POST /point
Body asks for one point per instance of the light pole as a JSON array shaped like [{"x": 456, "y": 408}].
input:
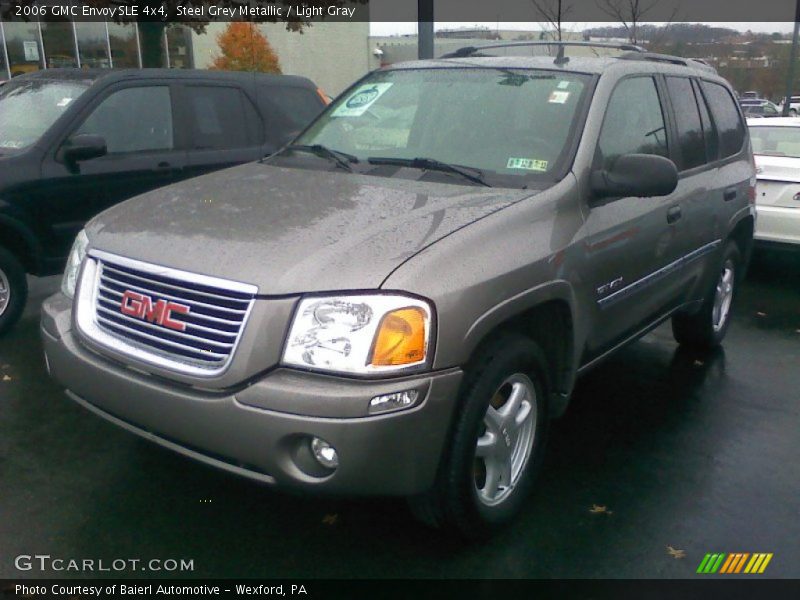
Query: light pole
[
  {"x": 425, "y": 28},
  {"x": 792, "y": 59}
]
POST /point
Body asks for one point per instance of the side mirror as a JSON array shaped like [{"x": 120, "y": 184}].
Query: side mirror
[
  {"x": 83, "y": 147},
  {"x": 638, "y": 175}
]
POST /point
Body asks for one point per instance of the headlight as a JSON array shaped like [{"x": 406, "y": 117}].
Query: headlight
[
  {"x": 74, "y": 262},
  {"x": 359, "y": 334}
]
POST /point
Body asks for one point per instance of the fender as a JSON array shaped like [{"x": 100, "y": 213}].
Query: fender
[
  {"x": 518, "y": 304},
  {"x": 32, "y": 246}
]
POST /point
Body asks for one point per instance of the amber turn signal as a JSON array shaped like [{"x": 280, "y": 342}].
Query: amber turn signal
[{"x": 401, "y": 338}]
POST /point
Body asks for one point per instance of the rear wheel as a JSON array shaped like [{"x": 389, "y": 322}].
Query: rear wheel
[
  {"x": 13, "y": 290},
  {"x": 497, "y": 444},
  {"x": 707, "y": 327}
]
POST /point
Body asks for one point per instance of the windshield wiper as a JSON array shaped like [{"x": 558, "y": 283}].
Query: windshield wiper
[
  {"x": 343, "y": 159},
  {"x": 431, "y": 164}
]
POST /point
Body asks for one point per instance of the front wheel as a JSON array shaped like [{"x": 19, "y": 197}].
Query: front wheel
[
  {"x": 497, "y": 444},
  {"x": 13, "y": 290},
  {"x": 706, "y": 328}
]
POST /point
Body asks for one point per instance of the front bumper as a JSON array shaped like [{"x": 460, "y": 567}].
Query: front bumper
[
  {"x": 262, "y": 430},
  {"x": 778, "y": 224}
]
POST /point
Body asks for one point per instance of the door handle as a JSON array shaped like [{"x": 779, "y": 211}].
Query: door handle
[
  {"x": 729, "y": 194},
  {"x": 674, "y": 214}
]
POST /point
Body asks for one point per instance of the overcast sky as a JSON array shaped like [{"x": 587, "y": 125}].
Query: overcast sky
[{"x": 410, "y": 28}]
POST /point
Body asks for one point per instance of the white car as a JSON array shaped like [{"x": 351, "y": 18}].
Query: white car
[{"x": 776, "y": 147}]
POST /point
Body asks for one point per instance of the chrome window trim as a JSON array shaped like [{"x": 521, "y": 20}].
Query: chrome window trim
[{"x": 86, "y": 313}]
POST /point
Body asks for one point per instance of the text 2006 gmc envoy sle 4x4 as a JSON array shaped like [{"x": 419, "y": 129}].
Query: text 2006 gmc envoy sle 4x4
[{"x": 399, "y": 302}]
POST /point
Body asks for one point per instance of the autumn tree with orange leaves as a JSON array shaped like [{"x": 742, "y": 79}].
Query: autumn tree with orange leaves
[{"x": 244, "y": 48}]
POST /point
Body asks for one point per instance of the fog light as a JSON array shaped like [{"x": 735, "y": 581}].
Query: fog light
[
  {"x": 396, "y": 401},
  {"x": 324, "y": 453}
]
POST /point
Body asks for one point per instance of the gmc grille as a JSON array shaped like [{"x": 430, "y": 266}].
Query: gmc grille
[{"x": 173, "y": 319}]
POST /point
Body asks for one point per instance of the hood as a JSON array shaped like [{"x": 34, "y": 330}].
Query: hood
[
  {"x": 777, "y": 168},
  {"x": 291, "y": 230}
]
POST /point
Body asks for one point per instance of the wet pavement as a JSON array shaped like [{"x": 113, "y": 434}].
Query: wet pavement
[{"x": 660, "y": 450}]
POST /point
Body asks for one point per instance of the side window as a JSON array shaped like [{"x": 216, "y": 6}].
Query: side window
[
  {"x": 726, "y": 117},
  {"x": 634, "y": 122},
  {"x": 709, "y": 131},
  {"x": 690, "y": 130},
  {"x": 219, "y": 120},
  {"x": 136, "y": 119}
]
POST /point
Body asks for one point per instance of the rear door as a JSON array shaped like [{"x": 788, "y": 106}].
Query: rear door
[
  {"x": 144, "y": 152},
  {"x": 697, "y": 194},
  {"x": 224, "y": 127},
  {"x": 732, "y": 168}
]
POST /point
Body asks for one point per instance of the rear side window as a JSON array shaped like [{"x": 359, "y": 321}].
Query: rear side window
[
  {"x": 726, "y": 117},
  {"x": 687, "y": 117},
  {"x": 709, "y": 131},
  {"x": 136, "y": 119},
  {"x": 634, "y": 122},
  {"x": 289, "y": 109},
  {"x": 219, "y": 117}
]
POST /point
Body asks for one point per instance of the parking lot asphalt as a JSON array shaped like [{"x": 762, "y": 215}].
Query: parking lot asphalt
[{"x": 663, "y": 456}]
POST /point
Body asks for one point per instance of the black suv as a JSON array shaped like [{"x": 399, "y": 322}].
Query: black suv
[{"x": 74, "y": 142}]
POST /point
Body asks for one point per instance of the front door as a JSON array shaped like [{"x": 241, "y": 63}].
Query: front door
[
  {"x": 136, "y": 121},
  {"x": 631, "y": 242}
]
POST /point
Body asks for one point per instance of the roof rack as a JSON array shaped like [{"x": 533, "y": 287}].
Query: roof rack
[
  {"x": 633, "y": 52},
  {"x": 474, "y": 50}
]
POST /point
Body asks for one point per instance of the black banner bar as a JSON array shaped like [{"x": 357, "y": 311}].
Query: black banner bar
[
  {"x": 445, "y": 11},
  {"x": 733, "y": 588}
]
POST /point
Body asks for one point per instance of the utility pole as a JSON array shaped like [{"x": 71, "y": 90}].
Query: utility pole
[
  {"x": 425, "y": 28},
  {"x": 792, "y": 60}
]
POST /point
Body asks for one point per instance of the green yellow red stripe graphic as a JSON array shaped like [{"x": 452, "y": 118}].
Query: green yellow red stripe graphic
[{"x": 736, "y": 562}]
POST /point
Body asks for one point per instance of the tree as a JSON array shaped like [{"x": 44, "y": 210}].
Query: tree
[
  {"x": 152, "y": 28},
  {"x": 553, "y": 12},
  {"x": 628, "y": 12},
  {"x": 244, "y": 48}
]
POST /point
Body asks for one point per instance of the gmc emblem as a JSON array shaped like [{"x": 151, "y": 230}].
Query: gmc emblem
[{"x": 142, "y": 307}]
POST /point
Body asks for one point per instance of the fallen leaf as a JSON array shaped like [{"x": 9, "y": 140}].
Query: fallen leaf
[
  {"x": 600, "y": 508},
  {"x": 761, "y": 314},
  {"x": 677, "y": 554},
  {"x": 6, "y": 378},
  {"x": 330, "y": 519},
  {"x": 698, "y": 363}
]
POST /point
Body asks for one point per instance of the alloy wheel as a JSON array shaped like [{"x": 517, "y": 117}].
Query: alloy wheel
[
  {"x": 723, "y": 297},
  {"x": 506, "y": 439}
]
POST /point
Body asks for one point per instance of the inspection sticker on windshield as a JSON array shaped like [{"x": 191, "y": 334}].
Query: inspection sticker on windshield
[
  {"x": 528, "y": 164},
  {"x": 562, "y": 85},
  {"x": 63, "y": 102},
  {"x": 558, "y": 97},
  {"x": 360, "y": 100}
]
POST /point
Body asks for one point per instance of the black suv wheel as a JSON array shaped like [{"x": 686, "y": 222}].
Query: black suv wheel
[
  {"x": 707, "y": 327},
  {"x": 497, "y": 444},
  {"x": 13, "y": 290}
]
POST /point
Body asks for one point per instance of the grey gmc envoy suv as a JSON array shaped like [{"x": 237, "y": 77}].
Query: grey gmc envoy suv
[{"x": 398, "y": 302}]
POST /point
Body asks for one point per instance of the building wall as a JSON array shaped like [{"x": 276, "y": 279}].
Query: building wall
[{"x": 333, "y": 55}]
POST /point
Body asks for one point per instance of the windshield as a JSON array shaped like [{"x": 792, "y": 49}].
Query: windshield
[
  {"x": 29, "y": 108},
  {"x": 776, "y": 141},
  {"x": 509, "y": 124}
]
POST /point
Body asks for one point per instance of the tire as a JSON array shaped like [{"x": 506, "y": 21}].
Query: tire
[
  {"x": 792, "y": 112},
  {"x": 13, "y": 290},
  {"x": 706, "y": 328},
  {"x": 463, "y": 500}
]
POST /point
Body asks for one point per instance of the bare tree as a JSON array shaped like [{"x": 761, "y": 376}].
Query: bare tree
[
  {"x": 553, "y": 12},
  {"x": 628, "y": 12}
]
